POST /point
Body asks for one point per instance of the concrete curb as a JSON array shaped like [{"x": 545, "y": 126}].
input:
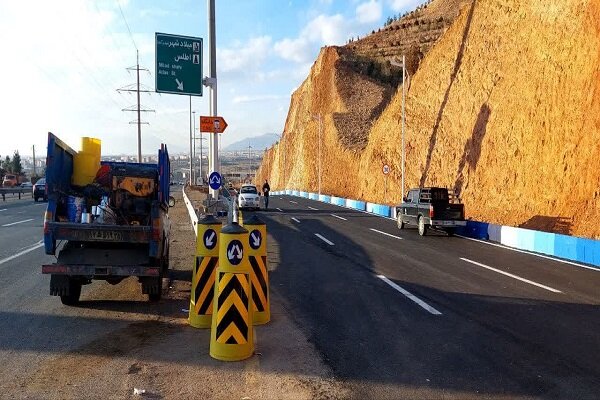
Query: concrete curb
[{"x": 193, "y": 216}]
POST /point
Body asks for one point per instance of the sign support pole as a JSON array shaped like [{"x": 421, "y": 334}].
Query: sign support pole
[{"x": 213, "y": 157}]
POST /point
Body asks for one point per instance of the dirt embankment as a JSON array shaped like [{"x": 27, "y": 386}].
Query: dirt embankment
[{"x": 504, "y": 108}]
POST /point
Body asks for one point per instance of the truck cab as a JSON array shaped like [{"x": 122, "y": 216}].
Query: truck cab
[{"x": 431, "y": 207}]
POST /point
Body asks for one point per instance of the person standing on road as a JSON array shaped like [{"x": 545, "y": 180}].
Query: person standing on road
[{"x": 266, "y": 188}]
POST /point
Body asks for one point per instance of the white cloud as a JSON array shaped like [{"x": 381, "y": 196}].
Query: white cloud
[
  {"x": 327, "y": 30},
  {"x": 244, "y": 57},
  {"x": 256, "y": 98},
  {"x": 404, "y": 5},
  {"x": 368, "y": 12},
  {"x": 297, "y": 50}
]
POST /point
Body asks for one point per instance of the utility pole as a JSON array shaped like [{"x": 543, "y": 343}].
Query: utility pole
[
  {"x": 34, "y": 173},
  {"x": 138, "y": 108},
  {"x": 194, "y": 146},
  {"x": 213, "y": 159},
  {"x": 249, "y": 161}
]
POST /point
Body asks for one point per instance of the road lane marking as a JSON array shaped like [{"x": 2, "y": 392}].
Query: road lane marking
[
  {"x": 324, "y": 239},
  {"x": 293, "y": 202},
  {"x": 4, "y": 209},
  {"x": 281, "y": 198},
  {"x": 35, "y": 246},
  {"x": 295, "y": 219},
  {"x": 312, "y": 208},
  {"x": 411, "y": 296},
  {"x": 18, "y": 222},
  {"x": 386, "y": 234},
  {"x": 511, "y": 275},
  {"x": 530, "y": 253},
  {"x": 337, "y": 216},
  {"x": 279, "y": 209}
]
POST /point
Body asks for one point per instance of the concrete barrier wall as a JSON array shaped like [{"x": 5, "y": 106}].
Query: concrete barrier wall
[
  {"x": 304, "y": 194},
  {"x": 552, "y": 244},
  {"x": 313, "y": 196}
]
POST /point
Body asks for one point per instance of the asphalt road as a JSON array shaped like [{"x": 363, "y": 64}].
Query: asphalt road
[{"x": 397, "y": 315}]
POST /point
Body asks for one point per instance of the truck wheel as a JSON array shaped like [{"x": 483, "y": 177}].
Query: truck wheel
[
  {"x": 422, "y": 226},
  {"x": 154, "y": 297},
  {"x": 450, "y": 231},
  {"x": 72, "y": 298},
  {"x": 400, "y": 222}
]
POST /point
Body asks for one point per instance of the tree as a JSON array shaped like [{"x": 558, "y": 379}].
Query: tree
[
  {"x": 7, "y": 164},
  {"x": 16, "y": 163}
]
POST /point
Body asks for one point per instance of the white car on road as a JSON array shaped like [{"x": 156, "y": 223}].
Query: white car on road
[{"x": 248, "y": 197}]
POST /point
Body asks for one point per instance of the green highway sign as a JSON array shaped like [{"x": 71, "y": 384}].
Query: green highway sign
[{"x": 178, "y": 64}]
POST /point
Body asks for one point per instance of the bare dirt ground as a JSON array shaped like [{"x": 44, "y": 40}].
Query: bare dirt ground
[{"x": 152, "y": 348}]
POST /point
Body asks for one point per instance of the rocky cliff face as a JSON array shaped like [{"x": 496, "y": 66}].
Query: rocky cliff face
[{"x": 504, "y": 108}]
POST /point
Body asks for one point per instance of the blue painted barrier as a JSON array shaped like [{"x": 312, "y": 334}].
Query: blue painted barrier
[
  {"x": 338, "y": 201},
  {"x": 379, "y": 209},
  {"x": 313, "y": 196},
  {"x": 356, "y": 204},
  {"x": 324, "y": 198},
  {"x": 304, "y": 194},
  {"x": 296, "y": 193}
]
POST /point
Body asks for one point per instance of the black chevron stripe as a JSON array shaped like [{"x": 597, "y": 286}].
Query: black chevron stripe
[
  {"x": 232, "y": 316},
  {"x": 198, "y": 263},
  {"x": 204, "y": 278},
  {"x": 259, "y": 275},
  {"x": 233, "y": 285}
]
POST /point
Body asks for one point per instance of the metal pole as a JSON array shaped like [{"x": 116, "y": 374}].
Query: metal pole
[
  {"x": 320, "y": 133},
  {"x": 34, "y": 173},
  {"x": 191, "y": 152},
  {"x": 194, "y": 145},
  {"x": 138, "y": 108},
  {"x": 403, "y": 150},
  {"x": 213, "y": 158},
  {"x": 201, "y": 175}
]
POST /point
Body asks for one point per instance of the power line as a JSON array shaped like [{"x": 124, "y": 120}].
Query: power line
[{"x": 126, "y": 24}]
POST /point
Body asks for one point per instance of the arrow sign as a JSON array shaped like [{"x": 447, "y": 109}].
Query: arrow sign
[
  {"x": 212, "y": 124},
  {"x": 235, "y": 252},
  {"x": 255, "y": 239},
  {"x": 179, "y": 84},
  {"x": 210, "y": 237},
  {"x": 214, "y": 180}
]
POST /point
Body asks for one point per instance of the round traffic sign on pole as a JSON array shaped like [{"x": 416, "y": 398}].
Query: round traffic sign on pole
[
  {"x": 386, "y": 169},
  {"x": 214, "y": 180}
]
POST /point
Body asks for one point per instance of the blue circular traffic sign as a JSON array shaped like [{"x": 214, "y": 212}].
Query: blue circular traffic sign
[
  {"x": 255, "y": 239},
  {"x": 210, "y": 239},
  {"x": 235, "y": 252},
  {"x": 214, "y": 180}
]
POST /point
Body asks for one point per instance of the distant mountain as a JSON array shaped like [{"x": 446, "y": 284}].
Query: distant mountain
[{"x": 257, "y": 142}]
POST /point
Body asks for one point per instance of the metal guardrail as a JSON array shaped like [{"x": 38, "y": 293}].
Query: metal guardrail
[{"x": 14, "y": 190}]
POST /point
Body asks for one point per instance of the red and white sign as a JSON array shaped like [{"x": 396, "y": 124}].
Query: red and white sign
[{"x": 386, "y": 169}]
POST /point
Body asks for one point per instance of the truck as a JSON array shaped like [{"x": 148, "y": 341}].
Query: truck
[
  {"x": 113, "y": 228},
  {"x": 431, "y": 207}
]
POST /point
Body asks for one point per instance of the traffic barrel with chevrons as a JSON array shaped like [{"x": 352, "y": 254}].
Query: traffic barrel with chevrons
[
  {"x": 259, "y": 275},
  {"x": 232, "y": 336},
  {"x": 203, "y": 273}
]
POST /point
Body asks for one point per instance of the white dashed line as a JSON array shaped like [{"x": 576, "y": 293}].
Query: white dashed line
[
  {"x": 337, "y": 216},
  {"x": 18, "y": 222},
  {"x": 410, "y": 296},
  {"x": 312, "y": 208},
  {"x": 35, "y": 246},
  {"x": 296, "y": 220},
  {"x": 386, "y": 234},
  {"x": 4, "y": 209},
  {"x": 293, "y": 202},
  {"x": 511, "y": 275},
  {"x": 279, "y": 209},
  {"x": 324, "y": 239}
]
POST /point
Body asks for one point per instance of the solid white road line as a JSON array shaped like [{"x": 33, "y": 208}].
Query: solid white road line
[
  {"x": 35, "y": 246},
  {"x": 312, "y": 208},
  {"x": 293, "y": 202},
  {"x": 337, "y": 216},
  {"x": 411, "y": 296},
  {"x": 386, "y": 234},
  {"x": 295, "y": 219},
  {"x": 530, "y": 253},
  {"x": 18, "y": 222},
  {"x": 511, "y": 275},
  {"x": 324, "y": 239},
  {"x": 279, "y": 209},
  {"x": 4, "y": 209}
]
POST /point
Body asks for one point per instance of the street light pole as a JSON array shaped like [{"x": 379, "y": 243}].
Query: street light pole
[
  {"x": 403, "y": 116},
  {"x": 191, "y": 138},
  {"x": 194, "y": 146}
]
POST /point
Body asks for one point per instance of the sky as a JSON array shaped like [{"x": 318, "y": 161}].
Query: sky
[{"x": 63, "y": 61}]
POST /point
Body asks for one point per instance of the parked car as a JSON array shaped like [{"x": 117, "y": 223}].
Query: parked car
[
  {"x": 248, "y": 197},
  {"x": 39, "y": 190},
  {"x": 431, "y": 207}
]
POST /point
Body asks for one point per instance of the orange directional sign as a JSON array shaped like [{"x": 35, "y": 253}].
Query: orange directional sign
[{"x": 212, "y": 124}]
